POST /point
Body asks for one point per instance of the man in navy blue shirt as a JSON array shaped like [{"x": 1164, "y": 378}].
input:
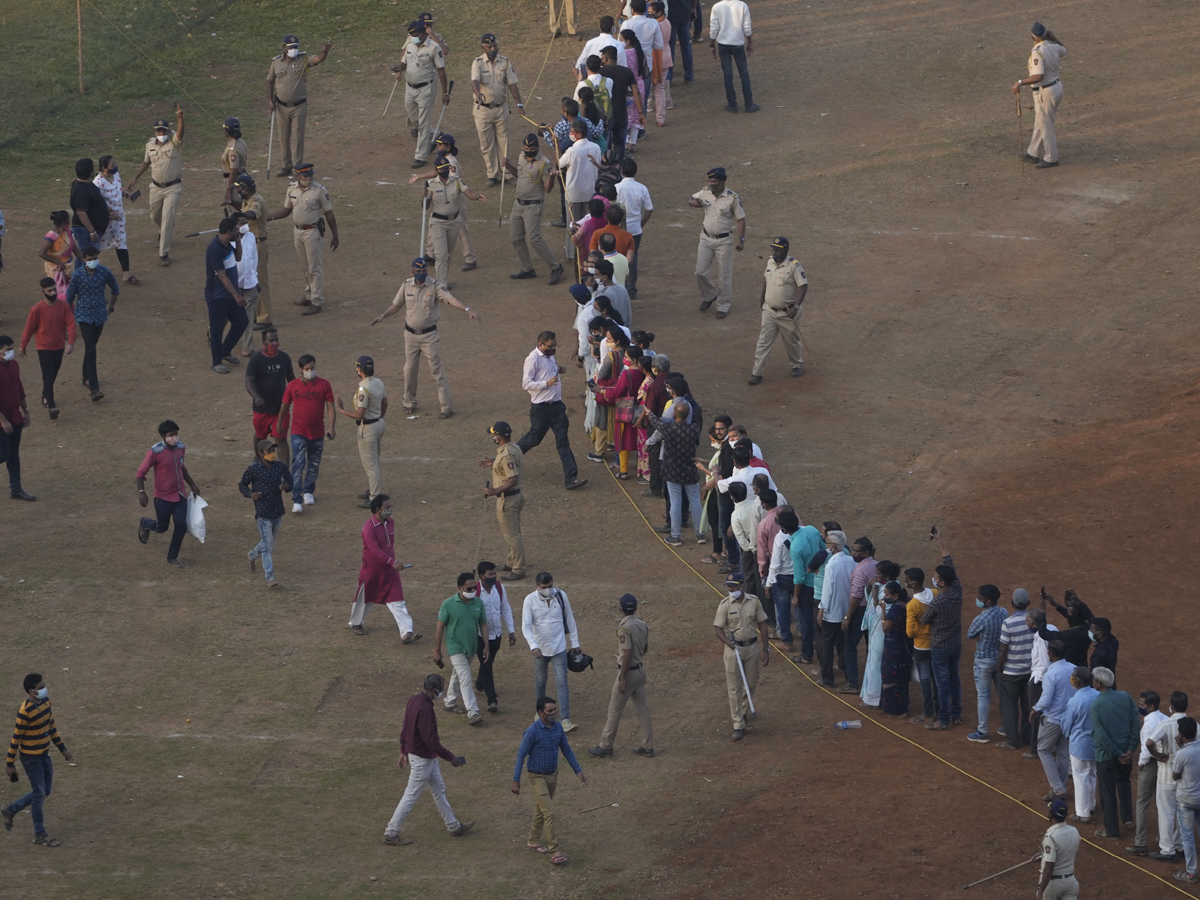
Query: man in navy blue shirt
[
  {"x": 225, "y": 302},
  {"x": 541, "y": 744},
  {"x": 264, "y": 482}
]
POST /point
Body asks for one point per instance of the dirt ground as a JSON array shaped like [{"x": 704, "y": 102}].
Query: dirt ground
[{"x": 1003, "y": 351}]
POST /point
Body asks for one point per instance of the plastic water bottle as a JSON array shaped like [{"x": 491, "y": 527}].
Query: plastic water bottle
[{"x": 848, "y": 724}]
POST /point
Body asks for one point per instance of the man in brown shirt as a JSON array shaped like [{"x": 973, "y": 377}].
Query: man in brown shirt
[
  {"x": 741, "y": 625},
  {"x": 166, "y": 180},
  {"x": 287, "y": 94},
  {"x": 254, "y": 208},
  {"x": 535, "y": 177},
  {"x": 507, "y": 468},
  {"x": 445, "y": 195},
  {"x": 492, "y": 77},
  {"x": 633, "y": 640},
  {"x": 306, "y": 202}
]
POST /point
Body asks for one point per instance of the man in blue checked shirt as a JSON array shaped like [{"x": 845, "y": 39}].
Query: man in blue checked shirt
[
  {"x": 985, "y": 631},
  {"x": 541, "y": 745}
]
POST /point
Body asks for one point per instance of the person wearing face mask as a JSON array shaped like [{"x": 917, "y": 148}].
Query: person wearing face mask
[
  {"x": 1148, "y": 704},
  {"x": 222, "y": 297},
  {"x": 165, "y": 163},
  {"x": 307, "y": 202},
  {"x": 492, "y": 79},
  {"x": 379, "y": 577},
  {"x": 108, "y": 180},
  {"x": 233, "y": 156},
  {"x": 784, "y": 287},
  {"x": 420, "y": 748},
  {"x": 579, "y": 163},
  {"x": 91, "y": 217},
  {"x": 500, "y": 620},
  {"x": 723, "y": 214},
  {"x": 14, "y": 417},
  {"x": 52, "y": 325},
  {"x": 268, "y": 374},
  {"x": 741, "y": 626},
  {"x": 166, "y": 458},
  {"x": 60, "y": 251},
  {"x": 306, "y": 402},
  {"x": 633, "y": 642},
  {"x": 247, "y": 278},
  {"x": 445, "y": 195},
  {"x": 462, "y": 620},
  {"x": 945, "y": 616},
  {"x": 985, "y": 631},
  {"x": 540, "y": 377},
  {"x": 32, "y": 735},
  {"x": 1116, "y": 728},
  {"x": 86, "y": 297},
  {"x": 540, "y": 746},
  {"x": 1077, "y": 726},
  {"x": 370, "y": 406},
  {"x": 548, "y": 625},
  {"x": 287, "y": 96},
  {"x": 422, "y": 65},
  {"x": 1163, "y": 746},
  {"x": 253, "y": 207},
  {"x": 264, "y": 482},
  {"x": 419, "y": 297},
  {"x": 1104, "y": 646},
  {"x": 445, "y": 147},
  {"x": 534, "y": 175},
  {"x": 507, "y": 469},
  {"x": 621, "y": 397}
]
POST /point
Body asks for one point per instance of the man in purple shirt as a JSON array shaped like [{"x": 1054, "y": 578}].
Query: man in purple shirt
[
  {"x": 420, "y": 748},
  {"x": 170, "y": 499},
  {"x": 862, "y": 551},
  {"x": 542, "y": 378},
  {"x": 14, "y": 417}
]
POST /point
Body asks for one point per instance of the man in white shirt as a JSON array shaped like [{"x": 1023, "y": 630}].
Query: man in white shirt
[
  {"x": 781, "y": 579},
  {"x": 730, "y": 33},
  {"x": 547, "y": 624},
  {"x": 595, "y": 45},
  {"x": 747, "y": 513},
  {"x": 247, "y": 273},
  {"x": 835, "y": 601},
  {"x": 634, "y": 196},
  {"x": 1035, "y": 619},
  {"x": 744, "y": 472},
  {"x": 540, "y": 376},
  {"x": 1162, "y": 747},
  {"x": 580, "y": 164},
  {"x": 500, "y": 621},
  {"x": 648, "y": 33},
  {"x": 1147, "y": 767}
]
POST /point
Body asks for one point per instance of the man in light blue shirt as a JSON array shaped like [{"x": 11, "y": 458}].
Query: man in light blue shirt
[
  {"x": 835, "y": 601},
  {"x": 1053, "y": 744},
  {"x": 1077, "y": 725}
]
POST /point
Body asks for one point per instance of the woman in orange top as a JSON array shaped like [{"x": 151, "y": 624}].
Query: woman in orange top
[{"x": 60, "y": 251}]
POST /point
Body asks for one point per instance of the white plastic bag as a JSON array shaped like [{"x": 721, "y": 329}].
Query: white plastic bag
[{"x": 195, "y": 516}]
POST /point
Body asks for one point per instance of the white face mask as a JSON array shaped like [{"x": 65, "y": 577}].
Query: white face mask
[
  {"x": 468, "y": 595},
  {"x": 171, "y": 440},
  {"x": 244, "y": 229},
  {"x": 734, "y": 593},
  {"x": 437, "y": 694},
  {"x": 293, "y": 52},
  {"x": 545, "y": 593},
  {"x": 9, "y": 354},
  {"x": 162, "y": 138},
  {"x": 308, "y": 374}
]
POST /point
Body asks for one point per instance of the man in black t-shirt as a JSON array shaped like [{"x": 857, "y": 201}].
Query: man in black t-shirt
[
  {"x": 89, "y": 219},
  {"x": 225, "y": 302},
  {"x": 267, "y": 377},
  {"x": 624, "y": 84}
]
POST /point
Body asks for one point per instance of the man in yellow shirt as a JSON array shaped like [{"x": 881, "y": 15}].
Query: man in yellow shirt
[
  {"x": 919, "y": 634},
  {"x": 31, "y": 741}
]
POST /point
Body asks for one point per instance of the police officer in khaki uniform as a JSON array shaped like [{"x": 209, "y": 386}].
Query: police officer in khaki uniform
[
  {"x": 254, "y": 207},
  {"x": 562, "y": 12},
  {"x": 165, "y": 163},
  {"x": 741, "y": 625},
  {"x": 1059, "y": 845},
  {"x": 633, "y": 640},
  {"x": 446, "y": 147},
  {"x": 233, "y": 157},
  {"x": 418, "y": 297},
  {"x": 723, "y": 214},
  {"x": 370, "y": 406},
  {"x": 445, "y": 195},
  {"x": 492, "y": 79},
  {"x": 287, "y": 94},
  {"x": 535, "y": 177},
  {"x": 423, "y": 63},
  {"x": 307, "y": 202},
  {"x": 1045, "y": 64},
  {"x": 506, "y": 488},
  {"x": 784, "y": 287}
]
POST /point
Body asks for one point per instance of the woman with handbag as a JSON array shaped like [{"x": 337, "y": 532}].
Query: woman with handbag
[
  {"x": 60, "y": 251},
  {"x": 622, "y": 397},
  {"x": 612, "y": 364}
]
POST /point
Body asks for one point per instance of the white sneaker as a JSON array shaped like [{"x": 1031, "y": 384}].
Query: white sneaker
[
  {"x": 297, "y": 508},
  {"x": 568, "y": 725},
  {"x": 309, "y": 499}
]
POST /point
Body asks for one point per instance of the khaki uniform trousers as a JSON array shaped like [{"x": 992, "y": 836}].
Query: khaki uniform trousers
[
  {"x": 739, "y": 704},
  {"x": 369, "y": 439},
  {"x": 309, "y": 247},
  {"x": 508, "y": 512},
  {"x": 1043, "y": 143},
  {"x": 444, "y": 235},
  {"x": 164, "y": 207},
  {"x": 264, "y": 286},
  {"x": 251, "y": 296},
  {"x": 429, "y": 346},
  {"x": 419, "y": 104},
  {"x": 1061, "y": 889},
  {"x": 542, "y": 830},
  {"x": 492, "y": 127},
  {"x": 291, "y": 132},
  {"x": 776, "y": 324},
  {"x": 717, "y": 252},
  {"x": 464, "y": 235},
  {"x": 635, "y": 690},
  {"x": 526, "y": 221},
  {"x": 565, "y": 19}
]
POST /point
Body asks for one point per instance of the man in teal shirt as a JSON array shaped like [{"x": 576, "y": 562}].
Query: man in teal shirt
[
  {"x": 1115, "y": 730},
  {"x": 459, "y": 622},
  {"x": 806, "y": 543}
]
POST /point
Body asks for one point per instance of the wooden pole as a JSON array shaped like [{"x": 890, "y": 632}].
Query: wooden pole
[{"x": 79, "y": 23}]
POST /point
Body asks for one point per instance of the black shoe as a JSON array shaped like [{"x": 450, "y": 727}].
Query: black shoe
[
  {"x": 753, "y": 107},
  {"x": 524, "y": 273},
  {"x": 559, "y": 223},
  {"x": 8, "y": 817},
  {"x": 738, "y": 734},
  {"x": 556, "y": 274},
  {"x": 1046, "y": 165},
  {"x": 22, "y": 494},
  {"x": 706, "y": 304},
  {"x": 663, "y": 529},
  {"x": 492, "y": 182},
  {"x": 648, "y": 752},
  {"x": 165, "y": 259},
  {"x": 600, "y": 751},
  {"x": 365, "y": 495},
  {"x": 143, "y": 533},
  {"x": 286, "y": 172},
  {"x": 577, "y": 483},
  {"x": 755, "y": 379},
  {"x": 1026, "y": 157},
  {"x": 467, "y": 267},
  {"x": 417, "y": 163},
  {"x": 513, "y": 576},
  {"x": 732, "y": 107}
]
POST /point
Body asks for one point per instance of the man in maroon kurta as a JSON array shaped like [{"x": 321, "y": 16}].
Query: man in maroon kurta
[{"x": 378, "y": 579}]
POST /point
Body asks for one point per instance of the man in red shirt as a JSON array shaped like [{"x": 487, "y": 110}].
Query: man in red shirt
[
  {"x": 170, "y": 499},
  {"x": 420, "y": 748},
  {"x": 14, "y": 417},
  {"x": 306, "y": 400},
  {"x": 53, "y": 323}
]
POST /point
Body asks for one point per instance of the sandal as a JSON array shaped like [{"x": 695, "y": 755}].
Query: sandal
[
  {"x": 936, "y": 726},
  {"x": 536, "y": 848},
  {"x": 917, "y": 720},
  {"x": 130, "y": 278},
  {"x": 711, "y": 559},
  {"x": 413, "y": 637},
  {"x": 45, "y": 840},
  {"x": 558, "y": 859}
]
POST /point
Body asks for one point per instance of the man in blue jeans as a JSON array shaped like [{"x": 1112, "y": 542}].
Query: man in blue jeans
[
  {"x": 944, "y": 615},
  {"x": 225, "y": 302},
  {"x": 547, "y": 624},
  {"x": 170, "y": 499},
  {"x": 985, "y": 631},
  {"x": 307, "y": 400},
  {"x": 730, "y": 32},
  {"x": 680, "y": 17},
  {"x": 781, "y": 574},
  {"x": 31, "y": 739}
]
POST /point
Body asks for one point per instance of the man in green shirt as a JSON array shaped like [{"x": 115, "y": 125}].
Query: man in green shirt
[
  {"x": 460, "y": 621},
  {"x": 1115, "y": 729}
]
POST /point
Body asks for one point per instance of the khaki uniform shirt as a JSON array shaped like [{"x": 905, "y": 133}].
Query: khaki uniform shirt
[
  {"x": 721, "y": 213},
  {"x": 423, "y": 62},
  {"x": 783, "y": 282},
  {"x": 633, "y": 635},
  {"x": 443, "y": 198},
  {"x": 1046, "y": 60},
  {"x": 308, "y": 203},
  {"x": 494, "y": 77},
  {"x": 258, "y": 225},
  {"x": 369, "y": 397},
  {"x": 233, "y": 157},
  {"x": 510, "y": 461},
  {"x": 420, "y": 302},
  {"x": 740, "y": 616},
  {"x": 531, "y": 177},
  {"x": 291, "y": 78},
  {"x": 1059, "y": 846},
  {"x": 166, "y": 163}
]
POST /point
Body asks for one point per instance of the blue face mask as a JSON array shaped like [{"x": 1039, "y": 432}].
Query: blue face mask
[
  {"x": 980, "y": 603},
  {"x": 92, "y": 263},
  {"x": 43, "y": 693},
  {"x": 420, "y": 277}
]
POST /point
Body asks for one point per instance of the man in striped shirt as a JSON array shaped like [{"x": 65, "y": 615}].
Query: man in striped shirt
[
  {"x": 1015, "y": 662},
  {"x": 31, "y": 740}
]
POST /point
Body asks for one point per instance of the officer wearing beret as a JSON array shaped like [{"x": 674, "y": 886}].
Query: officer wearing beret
[
  {"x": 633, "y": 640},
  {"x": 254, "y": 207},
  {"x": 445, "y": 146},
  {"x": 423, "y": 63},
  {"x": 165, "y": 163},
  {"x": 723, "y": 214},
  {"x": 1045, "y": 62},
  {"x": 418, "y": 297},
  {"x": 287, "y": 94},
  {"x": 445, "y": 195},
  {"x": 233, "y": 157},
  {"x": 535, "y": 177},
  {"x": 492, "y": 79},
  {"x": 741, "y": 625},
  {"x": 784, "y": 287},
  {"x": 307, "y": 202},
  {"x": 506, "y": 488}
]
